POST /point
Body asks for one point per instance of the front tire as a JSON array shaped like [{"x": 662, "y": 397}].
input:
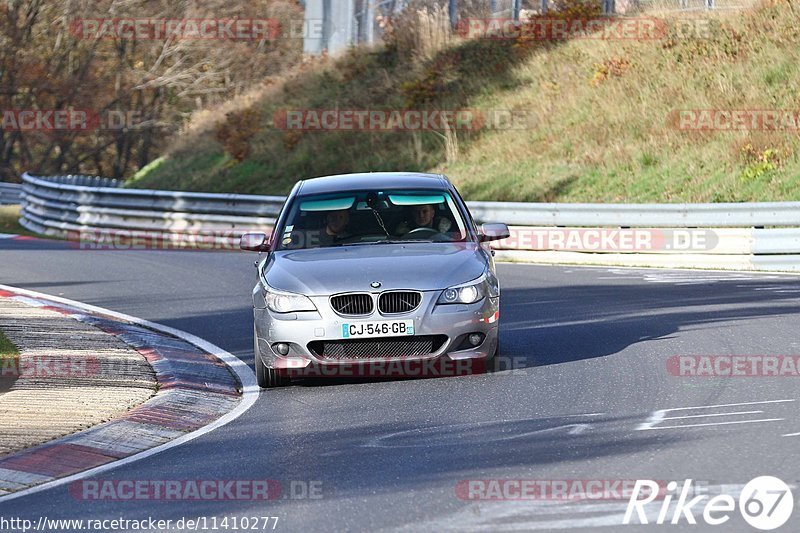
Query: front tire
[
  {"x": 267, "y": 378},
  {"x": 492, "y": 362}
]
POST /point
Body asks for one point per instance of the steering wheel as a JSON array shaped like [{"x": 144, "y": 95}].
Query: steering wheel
[
  {"x": 428, "y": 233},
  {"x": 422, "y": 232}
]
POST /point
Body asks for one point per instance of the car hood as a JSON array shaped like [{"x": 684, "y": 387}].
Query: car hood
[{"x": 421, "y": 266}]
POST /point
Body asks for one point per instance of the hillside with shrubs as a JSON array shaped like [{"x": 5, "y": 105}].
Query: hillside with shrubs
[{"x": 599, "y": 118}]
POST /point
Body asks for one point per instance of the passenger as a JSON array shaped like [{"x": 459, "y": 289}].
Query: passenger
[{"x": 424, "y": 216}]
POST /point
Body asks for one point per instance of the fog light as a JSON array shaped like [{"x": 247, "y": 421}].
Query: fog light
[
  {"x": 475, "y": 339},
  {"x": 281, "y": 348}
]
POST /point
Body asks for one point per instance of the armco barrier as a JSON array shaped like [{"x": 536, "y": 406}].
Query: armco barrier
[
  {"x": 728, "y": 215},
  {"x": 741, "y": 236},
  {"x": 10, "y": 193},
  {"x": 76, "y": 206}
]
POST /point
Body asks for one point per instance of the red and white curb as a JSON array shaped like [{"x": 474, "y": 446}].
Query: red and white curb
[{"x": 197, "y": 394}]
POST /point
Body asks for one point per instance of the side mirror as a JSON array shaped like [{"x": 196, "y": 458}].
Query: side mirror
[
  {"x": 254, "y": 242},
  {"x": 494, "y": 231}
]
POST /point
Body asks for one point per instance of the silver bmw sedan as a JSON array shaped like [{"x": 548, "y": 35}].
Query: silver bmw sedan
[{"x": 377, "y": 275}]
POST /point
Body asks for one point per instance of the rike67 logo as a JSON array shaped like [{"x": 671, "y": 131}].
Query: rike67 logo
[{"x": 765, "y": 503}]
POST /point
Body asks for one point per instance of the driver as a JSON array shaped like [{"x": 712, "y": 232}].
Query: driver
[
  {"x": 335, "y": 227},
  {"x": 424, "y": 216}
]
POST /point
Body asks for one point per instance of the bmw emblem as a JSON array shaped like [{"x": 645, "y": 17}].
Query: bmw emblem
[{"x": 375, "y": 284}]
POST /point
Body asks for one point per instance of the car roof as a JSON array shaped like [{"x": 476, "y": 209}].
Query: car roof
[{"x": 370, "y": 180}]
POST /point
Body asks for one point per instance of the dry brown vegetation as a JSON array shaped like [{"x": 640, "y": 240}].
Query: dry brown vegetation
[{"x": 157, "y": 84}]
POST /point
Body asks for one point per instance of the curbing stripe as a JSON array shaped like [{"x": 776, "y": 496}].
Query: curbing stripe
[
  {"x": 183, "y": 405},
  {"x": 55, "y": 460},
  {"x": 113, "y": 441}
]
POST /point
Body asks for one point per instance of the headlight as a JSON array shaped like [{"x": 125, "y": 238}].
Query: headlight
[
  {"x": 471, "y": 292},
  {"x": 287, "y": 302}
]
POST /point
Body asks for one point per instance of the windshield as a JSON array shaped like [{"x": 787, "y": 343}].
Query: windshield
[{"x": 371, "y": 217}]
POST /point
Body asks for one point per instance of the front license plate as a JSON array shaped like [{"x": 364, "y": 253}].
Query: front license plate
[{"x": 389, "y": 328}]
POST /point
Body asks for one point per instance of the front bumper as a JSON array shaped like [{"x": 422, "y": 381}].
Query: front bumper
[{"x": 452, "y": 322}]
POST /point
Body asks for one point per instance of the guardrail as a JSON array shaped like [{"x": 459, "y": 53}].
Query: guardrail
[
  {"x": 93, "y": 210},
  {"x": 754, "y": 236},
  {"x": 10, "y": 193},
  {"x": 728, "y": 215}
]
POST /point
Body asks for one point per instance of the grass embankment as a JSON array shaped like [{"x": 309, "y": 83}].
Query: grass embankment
[
  {"x": 9, "y": 221},
  {"x": 9, "y": 362},
  {"x": 7, "y": 348},
  {"x": 605, "y": 128}
]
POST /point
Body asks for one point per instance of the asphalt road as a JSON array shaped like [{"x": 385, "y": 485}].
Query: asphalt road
[{"x": 590, "y": 348}]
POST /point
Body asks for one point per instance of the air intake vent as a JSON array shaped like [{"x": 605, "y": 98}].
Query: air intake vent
[
  {"x": 356, "y": 304},
  {"x": 370, "y": 349},
  {"x": 397, "y": 302}
]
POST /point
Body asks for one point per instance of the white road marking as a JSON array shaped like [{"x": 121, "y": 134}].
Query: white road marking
[
  {"x": 246, "y": 376},
  {"x": 656, "y": 417},
  {"x": 729, "y": 405},
  {"x": 712, "y": 414},
  {"x": 783, "y": 291},
  {"x": 792, "y": 435},
  {"x": 718, "y": 423}
]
